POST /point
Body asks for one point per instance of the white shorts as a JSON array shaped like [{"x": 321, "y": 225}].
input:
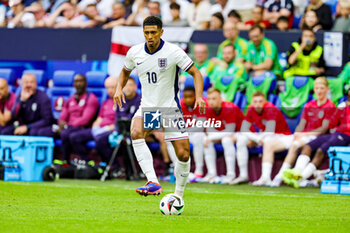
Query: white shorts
[
  {"x": 287, "y": 140},
  {"x": 171, "y": 115}
]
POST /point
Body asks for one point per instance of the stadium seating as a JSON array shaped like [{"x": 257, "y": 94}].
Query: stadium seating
[
  {"x": 266, "y": 83},
  {"x": 95, "y": 80},
  {"x": 39, "y": 75},
  {"x": 240, "y": 100},
  {"x": 62, "y": 88},
  {"x": 9, "y": 75}
]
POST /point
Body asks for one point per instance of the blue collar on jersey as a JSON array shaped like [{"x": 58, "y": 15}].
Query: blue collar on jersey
[{"x": 159, "y": 47}]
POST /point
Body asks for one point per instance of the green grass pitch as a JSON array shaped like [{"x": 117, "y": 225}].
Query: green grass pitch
[{"x": 114, "y": 206}]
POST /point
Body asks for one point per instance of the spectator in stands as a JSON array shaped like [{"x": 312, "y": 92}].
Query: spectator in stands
[
  {"x": 116, "y": 19},
  {"x": 2, "y": 15},
  {"x": 234, "y": 17},
  {"x": 201, "y": 61},
  {"x": 262, "y": 53},
  {"x": 197, "y": 14},
  {"x": 264, "y": 122},
  {"x": 107, "y": 116},
  {"x": 216, "y": 22},
  {"x": 315, "y": 120},
  {"x": 282, "y": 23},
  {"x": 276, "y": 8},
  {"x": 32, "y": 110},
  {"x": 222, "y": 6},
  {"x": 76, "y": 117},
  {"x": 305, "y": 57},
  {"x": 231, "y": 34},
  {"x": 70, "y": 17},
  {"x": 17, "y": 16},
  {"x": 342, "y": 23},
  {"x": 341, "y": 137},
  {"x": 243, "y": 8},
  {"x": 167, "y": 10},
  {"x": 257, "y": 19},
  {"x": 196, "y": 135},
  {"x": 33, "y": 16},
  {"x": 229, "y": 66},
  {"x": 310, "y": 21},
  {"x": 176, "y": 21},
  {"x": 7, "y": 101},
  {"x": 231, "y": 118},
  {"x": 141, "y": 10},
  {"x": 104, "y": 7},
  {"x": 323, "y": 11}
]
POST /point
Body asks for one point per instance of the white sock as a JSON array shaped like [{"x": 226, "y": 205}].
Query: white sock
[
  {"x": 182, "y": 170},
  {"x": 171, "y": 152},
  {"x": 308, "y": 171},
  {"x": 284, "y": 167},
  {"x": 198, "y": 152},
  {"x": 301, "y": 163},
  {"x": 266, "y": 170},
  {"x": 242, "y": 155},
  {"x": 230, "y": 156},
  {"x": 145, "y": 159},
  {"x": 210, "y": 159}
]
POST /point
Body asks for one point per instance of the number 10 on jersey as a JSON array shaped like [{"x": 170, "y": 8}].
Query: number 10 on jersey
[{"x": 152, "y": 77}]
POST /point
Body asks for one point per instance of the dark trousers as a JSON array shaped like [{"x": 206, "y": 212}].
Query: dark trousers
[
  {"x": 74, "y": 139},
  {"x": 44, "y": 131}
]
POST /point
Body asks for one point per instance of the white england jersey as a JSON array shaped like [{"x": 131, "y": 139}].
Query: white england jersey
[{"x": 158, "y": 73}]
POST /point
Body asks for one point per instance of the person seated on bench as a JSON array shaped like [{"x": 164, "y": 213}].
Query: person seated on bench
[
  {"x": 263, "y": 123},
  {"x": 7, "y": 101},
  {"x": 32, "y": 110},
  {"x": 315, "y": 120}
]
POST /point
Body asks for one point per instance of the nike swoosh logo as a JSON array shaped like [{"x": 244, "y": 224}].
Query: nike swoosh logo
[{"x": 139, "y": 63}]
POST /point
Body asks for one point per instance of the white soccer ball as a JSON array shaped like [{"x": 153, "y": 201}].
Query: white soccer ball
[{"x": 171, "y": 204}]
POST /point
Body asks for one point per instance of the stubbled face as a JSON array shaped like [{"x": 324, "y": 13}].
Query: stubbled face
[
  {"x": 4, "y": 89},
  {"x": 152, "y": 35},
  {"x": 321, "y": 91},
  {"x": 189, "y": 98},
  {"x": 118, "y": 11},
  {"x": 230, "y": 31},
  {"x": 200, "y": 53},
  {"x": 29, "y": 83},
  {"x": 228, "y": 54},
  {"x": 214, "y": 100},
  {"x": 256, "y": 37},
  {"x": 130, "y": 88},
  {"x": 80, "y": 84},
  {"x": 258, "y": 103}
]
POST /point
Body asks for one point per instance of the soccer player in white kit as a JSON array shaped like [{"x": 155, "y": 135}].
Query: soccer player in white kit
[{"x": 158, "y": 63}]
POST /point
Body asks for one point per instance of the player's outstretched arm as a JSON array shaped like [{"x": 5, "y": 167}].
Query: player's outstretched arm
[
  {"x": 198, "y": 84},
  {"x": 119, "y": 95}
]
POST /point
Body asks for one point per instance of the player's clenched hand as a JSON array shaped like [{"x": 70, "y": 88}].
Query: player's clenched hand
[
  {"x": 201, "y": 104},
  {"x": 118, "y": 98}
]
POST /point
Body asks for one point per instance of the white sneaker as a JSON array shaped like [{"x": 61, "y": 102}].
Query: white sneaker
[
  {"x": 207, "y": 179},
  {"x": 226, "y": 179},
  {"x": 276, "y": 182},
  {"x": 308, "y": 183},
  {"x": 240, "y": 180},
  {"x": 262, "y": 182}
]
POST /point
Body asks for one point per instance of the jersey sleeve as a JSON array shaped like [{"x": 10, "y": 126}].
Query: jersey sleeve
[
  {"x": 183, "y": 60},
  {"x": 129, "y": 63}
]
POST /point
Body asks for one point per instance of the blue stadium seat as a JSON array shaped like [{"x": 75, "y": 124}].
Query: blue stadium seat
[
  {"x": 240, "y": 100},
  {"x": 91, "y": 144},
  {"x": 292, "y": 122},
  {"x": 189, "y": 81},
  {"x": 344, "y": 98},
  {"x": 275, "y": 100},
  {"x": 9, "y": 75},
  {"x": 39, "y": 75},
  {"x": 226, "y": 80},
  {"x": 95, "y": 80},
  {"x": 206, "y": 83},
  {"x": 62, "y": 87},
  {"x": 300, "y": 81},
  {"x": 258, "y": 80},
  {"x": 296, "y": 21}
]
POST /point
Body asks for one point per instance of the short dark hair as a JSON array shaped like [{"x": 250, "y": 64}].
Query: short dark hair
[
  {"x": 175, "y": 6},
  {"x": 261, "y": 29},
  {"x": 258, "y": 93},
  {"x": 153, "y": 20},
  {"x": 234, "y": 13},
  {"x": 189, "y": 88},
  {"x": 283, "y": 19},
  {"x": 230, "y": 45},
  {"x": 219, "y": 16}
]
